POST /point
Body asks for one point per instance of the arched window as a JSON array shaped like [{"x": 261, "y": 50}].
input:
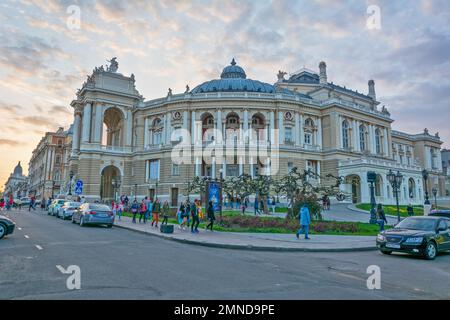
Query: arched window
[
  {"x": 309, "y": 129},
  {"x": 378, "y": 141},
  {"x": 345, "y": 135},
  {"x": 412, "y": 188},
  {"x": 378, "y": 186},
  {"x": 362, "y": 137},
  {"x": 157, "y": 129}
]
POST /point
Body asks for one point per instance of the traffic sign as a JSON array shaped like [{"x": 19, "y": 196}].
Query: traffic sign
[{"x": 79, "y": 187}]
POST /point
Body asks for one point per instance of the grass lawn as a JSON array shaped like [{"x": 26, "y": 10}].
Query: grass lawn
[
  {"x": 234, "y": 222},
  {"x": 392, "y": 209}
]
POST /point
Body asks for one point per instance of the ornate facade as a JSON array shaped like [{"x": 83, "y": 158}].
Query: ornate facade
[
  {"x": 312, "y": 123},
  {"x": 16, "y": 185}
]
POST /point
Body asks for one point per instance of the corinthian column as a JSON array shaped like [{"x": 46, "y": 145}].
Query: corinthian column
[{"x": 76, "y": 132}]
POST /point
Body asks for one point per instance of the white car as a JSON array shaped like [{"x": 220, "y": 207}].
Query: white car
[{"x": 66, "y": 210}]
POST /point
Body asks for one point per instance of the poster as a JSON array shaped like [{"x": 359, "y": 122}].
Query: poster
[{"x": 213, "y": 194}]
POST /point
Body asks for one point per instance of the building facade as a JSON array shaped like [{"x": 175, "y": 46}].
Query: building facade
[
  {"x": 47, "y": 169},
  {"x": 445, "y": 156},
  {"x": 303, "y": 121},
  {"x": 16, "y": 185}
]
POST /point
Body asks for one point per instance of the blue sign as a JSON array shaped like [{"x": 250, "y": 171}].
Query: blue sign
[
  {"x": 79, "y": 187},
  {"x": 214, "y": 192}
]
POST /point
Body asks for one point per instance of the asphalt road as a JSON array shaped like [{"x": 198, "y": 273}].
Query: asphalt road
[{"x": 121, "y": 264}]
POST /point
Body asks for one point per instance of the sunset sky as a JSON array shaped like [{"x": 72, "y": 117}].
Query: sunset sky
[{"x": 173, "y": 43}]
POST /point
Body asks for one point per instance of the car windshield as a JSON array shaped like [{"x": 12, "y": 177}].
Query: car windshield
[
  {"x": 417, "y": 224},
  {"x": 61, "y": 202},
  {"x": 99, "y": 207}
]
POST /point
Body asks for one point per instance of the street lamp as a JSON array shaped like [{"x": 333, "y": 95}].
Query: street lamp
[
  {"x": 435, "y": 191},
  {"x": 221, "y": 195},
  {"x": 70, "y": 182},
  {"x": 395, "y": 181},
  {"x": 116, "y": 185},
  {"x": 372, "y": 178},
  {"x": 425, "y": 179}
]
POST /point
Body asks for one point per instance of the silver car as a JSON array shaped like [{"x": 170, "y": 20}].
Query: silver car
[
  {"x": 66, "y": 211},
  {"x": 94, "y": 214}
]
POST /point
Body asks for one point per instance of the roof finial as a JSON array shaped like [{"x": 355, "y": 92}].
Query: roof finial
[{"x": 233, "y": 62}]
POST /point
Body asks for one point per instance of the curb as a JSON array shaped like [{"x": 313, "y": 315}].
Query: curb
[
  {"x": 367, "y": 212},
  {"x": 248, "y": 247}
]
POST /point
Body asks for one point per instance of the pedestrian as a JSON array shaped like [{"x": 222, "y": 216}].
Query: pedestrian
[
  {"x": 113, "y": 208},
  {"x": 188, "y": 213},
  {"x": 305, "y": 221},
  {"x": 381, "y": 217},
  {"x": 120, "y": 210},
  {"x": 256, "y": 206},
  {"x": 2, "y": 204},
  {"x": 211, "y": 216},
  {"x": 200, "y": 211},
  {"x": 274, "y": 204},
  {"x": 243, "y": 207},
  {"x": 32, "y": 203},
  {"x": 126, "y": 201},
  {"x": 142, "y": 211},
  {"x": 134, "y": 209},
  {"x": 165, "y": 212},
  {"x": 156, "y": 210},
  {"x": 49, "y": 202},
  {"x": 181, "y": 215},
  {"x": 194, "y": 215},
  {"x": 149, "y": 205},
  {"x": 410, "y": 210}
]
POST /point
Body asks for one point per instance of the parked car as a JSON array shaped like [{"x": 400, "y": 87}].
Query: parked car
[
  {"x": 25, "y": 201},
  {"x": 426, "y": 236},
  {"x": 440, "y": 213},
  {"x": 6, "y": 226},
  {"x": 66, "y": 210},
  {"x": 54, "y": 206},
  {"x": 93, "y": 213}
]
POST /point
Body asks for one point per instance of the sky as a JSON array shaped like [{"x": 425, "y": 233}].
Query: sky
[{"x": 48, "y": 47}]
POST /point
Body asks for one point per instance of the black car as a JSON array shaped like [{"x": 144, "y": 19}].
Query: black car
[
  {"x": 426, "y": 236},
  {"x": 6, "y": 226},
  {"x": 440, "y": 213}
]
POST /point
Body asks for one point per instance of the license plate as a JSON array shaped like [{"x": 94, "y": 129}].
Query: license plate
[
  {"x": 102, "y": 215},
  {"x": 393, "y": 245}
]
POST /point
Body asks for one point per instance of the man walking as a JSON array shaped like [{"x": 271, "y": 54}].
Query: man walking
[
  {"x": 381, "y": 217},
  {"x": 194, "y": 214},
  {"x": 211, "y": 216},
  {"x": 305, "y": 221},
  {"x": 256, "y": 206}
]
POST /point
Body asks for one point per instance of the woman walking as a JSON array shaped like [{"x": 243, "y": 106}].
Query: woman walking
[
  {"x": 211, "y": 216},
  {"x": 120, "y": 210},
  {"x": 165, "y": 212},
  {"x": 194, "y": 216},
  {"x": 381, "y": 217},
  {"x": 142, "y": 212},
  {"x": 134, "y": 209},
  {"x": 155, "y": 213}
]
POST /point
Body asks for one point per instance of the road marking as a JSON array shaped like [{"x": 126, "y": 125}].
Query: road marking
[
  {"x": 39, "y": 247},
  {"x": 19, "y": 228},
  {"x": 26, "y": 236}
]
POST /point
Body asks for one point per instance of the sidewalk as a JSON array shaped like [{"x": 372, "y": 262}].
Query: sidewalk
[{"x": 257, "y": 241}]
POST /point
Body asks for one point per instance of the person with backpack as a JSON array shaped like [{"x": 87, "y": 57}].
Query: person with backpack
[
  {"x": 142, "y": 212},
  {"x": 194, "y": 215},
  {"x": 410, "y": 210},
  {"x": 381, "y": 217},
  {"x": 134, "y": 209},
  {"x": 305, "y": 221},
  {"x": 156, "y": 210},
  {"x": 211, "y": 216},
  {"x": 165, "y": 212}
]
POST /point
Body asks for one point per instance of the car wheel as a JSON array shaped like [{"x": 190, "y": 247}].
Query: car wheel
[
  {"x": 109, "y": 225},
  {"x": 430, "y": 251},
  {"x": 388, "y": 252},
  {"x": 81, "y": 222},
  {"x": 73, "y": 220},
  {"x": 2, "y": 230}
]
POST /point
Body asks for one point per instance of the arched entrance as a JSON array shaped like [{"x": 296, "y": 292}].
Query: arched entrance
[
  {"x": 354, "y": 183},
  {"x": 109, "y": 173},
  {"x": 411, "y": 188},
  {"x": 113, "y": 128}
]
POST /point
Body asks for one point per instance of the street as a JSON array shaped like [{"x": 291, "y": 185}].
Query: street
[{"x": 122, "y": 264}]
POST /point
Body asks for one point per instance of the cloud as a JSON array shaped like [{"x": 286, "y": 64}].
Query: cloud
[
  {"x": 39, "y": 121},
  {"x": 11, "y": 143},
  {"x": 9, "y": 108}
]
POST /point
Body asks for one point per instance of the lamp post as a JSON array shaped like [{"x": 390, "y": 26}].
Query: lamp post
[
  {"x": 395, "y": 180},
  {"x": 435, "y": 191},
  {"x": 372, "y": 178},
  {"x": 156, "y": 190},
  {"x": 221, "y": 195},
  {"x": 425, "y": 179},
  {"x": 116, "y": 185},
  {"x": 70, "y": 182}
]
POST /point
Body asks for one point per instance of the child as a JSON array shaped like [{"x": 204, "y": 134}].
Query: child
[
  {"x": 165, "y": 211},
  {"x": 134, "y": 210}
]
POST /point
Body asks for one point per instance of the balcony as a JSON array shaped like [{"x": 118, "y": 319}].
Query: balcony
[
  {"x": 105, "y": 149},
  {"x": 379, "y": 162}
]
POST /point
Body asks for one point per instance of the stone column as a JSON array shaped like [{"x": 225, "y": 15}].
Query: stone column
[
  {"x": 129, "y": 128},
  {"x": 193, "y": 128},
  {"x": 272, "y": 126},
  {"x": 98, "y": 126},
  {"x": 246, "y": 133},
  {"x": 302, "y": 133},
  {"x": 86, "y": 122},
  {"x": 280, "y": 128},
  {"x": 168, "y": 127},
  {"x": 241, "y": 165},
  {"x": 386, "y": 143},
  {"x": 146, "y": 133},
  {"x": 365, "y": 192},
  {"x": 224, "y": 167},
  {"x": 296, "y": 130},
  {"x": 218, "y": 134},
  {"x": 340, "y": 141},
  {"x": 319, "y": 133},
  {"x": 76, "y": 133}
]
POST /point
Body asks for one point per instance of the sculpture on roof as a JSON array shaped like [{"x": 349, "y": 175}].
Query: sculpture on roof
[
  {"x": 437, "y": 135},
  {"x": 281, "y": 75},
  {"x": 169, "y": 93},
  {"x": 187, "y": 89},
  {"x": 425, "y": 131},
  {"x": 385, "y": 111},
  {"x": 113, "y": 66}
]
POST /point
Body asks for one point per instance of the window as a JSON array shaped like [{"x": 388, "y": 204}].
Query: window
[
  {"x": 308, "y": 139},
  {"x": 290, "y": 166},
  {"x": 157, "y": 137},
  {"x": 345, "y": 135},
  {"x": 362, "y": 137},
  {"x": 58, "y": 159},
  {"x": 154, "y": 169},
  {"x": 378, "y": 141},
  {"x": 288, "y": 135},
  {"x": 175, "y": 169}
]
